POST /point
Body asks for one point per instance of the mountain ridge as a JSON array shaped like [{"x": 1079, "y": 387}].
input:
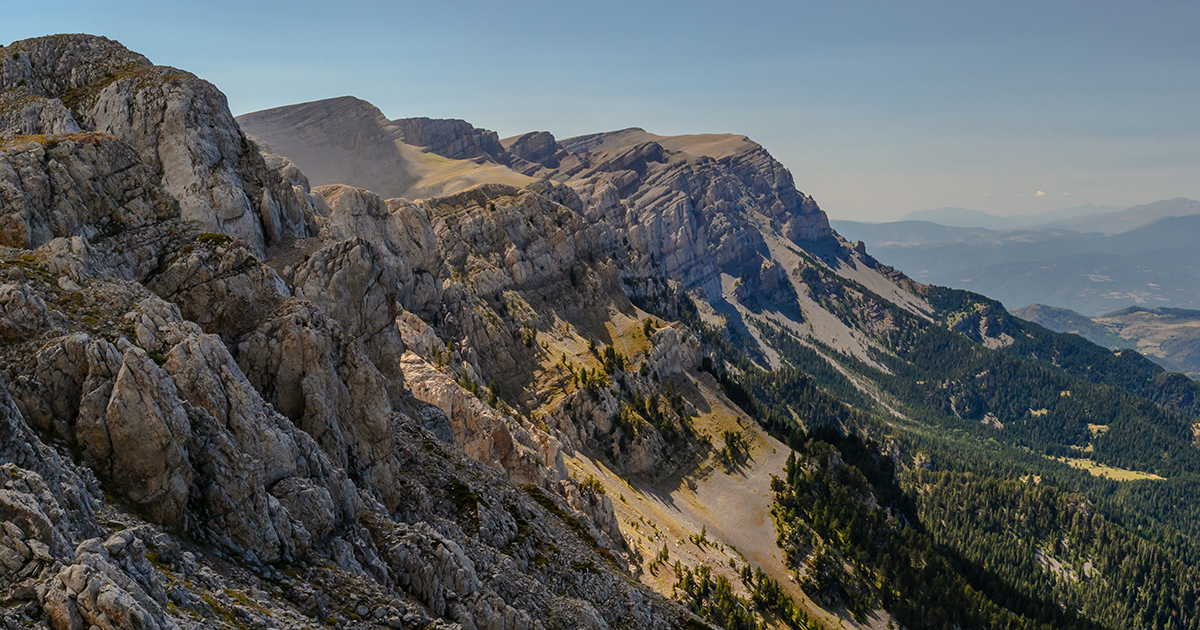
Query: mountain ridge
[
  {"x": 1093, "y": 273},
  {"x": 370, "y": 151},
  {"x": 1133, "y": 218},
  {"x": 619, "y": 161},
  {"x": 584, "y": 401},
  {"x": 966, "y": 218}
]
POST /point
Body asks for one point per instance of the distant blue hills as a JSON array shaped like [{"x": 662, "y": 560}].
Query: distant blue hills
[
  {"x": 1089, "y": 259},
  {"x": 963, "y": 217}
]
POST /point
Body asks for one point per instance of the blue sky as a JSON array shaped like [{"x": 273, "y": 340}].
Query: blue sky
[{"x": 878, "y": 108}]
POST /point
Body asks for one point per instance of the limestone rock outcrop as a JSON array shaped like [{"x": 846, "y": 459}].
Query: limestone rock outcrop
[
  {"x": 179, "y": 125},
  {"x": 220, "y": 284},
  {"x": 452, "y": 138},
  {"x": 208, "y": 415},
  {"x": 689, "y": 209},
  {"x": 675, "y": 350},
  {"x": 249, "y": 449},
  {"x": 483, "y": 433},
  {"x": 515, "y": 255},
  {"x": 401, "y": 234},
  {"x": 97, "y": 588},
  {"x": 21, "y": 311},
  {"x": 350, "y": 282},
  {"x": 142, "y": 441},
  {"x": 299, "y": 360},
  {"x": 191, "y": 430},
  {"x": 59, "y": 64},
  {"x": 539, "y": 148},
  {"x": 23, "y": 114},
  {"x": 87, "y": 185}
]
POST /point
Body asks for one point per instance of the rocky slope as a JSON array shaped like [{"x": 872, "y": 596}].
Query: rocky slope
[
  {"x": 210, "y": 415},
  {"x": 178, "y": 125},
  {"x": 710, "y": 230}
]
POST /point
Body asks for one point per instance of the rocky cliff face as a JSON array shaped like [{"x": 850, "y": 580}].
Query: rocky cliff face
[
  {"x": 694, "y": 212},
  {"x": 538, "y": 148},
  {"x": 527, "y": 286},
  {"x": 179, "y": 126},
  {"x": 687, "y": 207},
  {"x": 455, "y": 139},
  {"x": 80, "y": 184},
  {"x": 209, "y": 416}
]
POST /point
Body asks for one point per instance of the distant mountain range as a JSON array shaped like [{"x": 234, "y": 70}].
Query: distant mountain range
[
  {"x": 1120, "y": 221},
  {"x": 963, "y": 217},
  {"x": 1141, "y": 256},
  {"x": 1168, "y": 336}
]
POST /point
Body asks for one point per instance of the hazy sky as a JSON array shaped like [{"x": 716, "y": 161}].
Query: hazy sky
[{"x": 878, "y": 108}]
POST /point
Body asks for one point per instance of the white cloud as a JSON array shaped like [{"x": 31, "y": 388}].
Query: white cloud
[{"x": 1039, "y": 194}]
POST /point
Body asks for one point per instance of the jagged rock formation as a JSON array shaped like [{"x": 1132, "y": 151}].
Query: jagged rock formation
[
  {"x": 688, "y": 203},
  {"x": 455, "y": 139},
  {"x": 483, "y": 433},
  {"x": 500, "y": 241},
  {"x": 178, "y": 124},
  {"x": 209, "y": 418},
  {"x": 538, "y": 148},
  {"x": 675, "y": 350},
  {"x": 688, "y": 207},
  {"x": 84, "y": 184}
]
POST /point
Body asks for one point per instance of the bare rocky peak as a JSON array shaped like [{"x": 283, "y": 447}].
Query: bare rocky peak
[
  {"x": 714, "y": 145},
  {"x": 358, "y": 122},
  {"x": 37, "y": 74},
  {"x": 353, "y": 124},
  {"x": 179, "y": 125},
  {"x": 696, "y": 209},
  {"x": 53, "y": 66},
  {"x": 337, "y": 141}
]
